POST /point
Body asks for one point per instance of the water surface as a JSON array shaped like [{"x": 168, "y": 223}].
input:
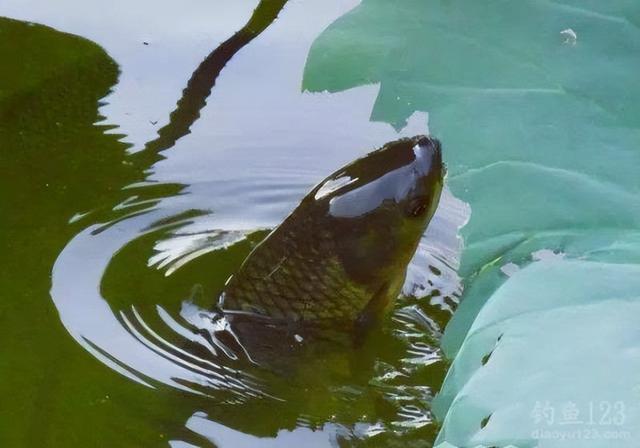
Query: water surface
[{"x": 116, "y": 242}]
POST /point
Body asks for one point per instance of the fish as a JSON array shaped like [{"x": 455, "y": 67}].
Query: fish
[{"x": 340, "y": 258}]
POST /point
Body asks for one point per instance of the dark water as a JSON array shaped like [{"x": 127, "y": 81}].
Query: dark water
[
  {"x": 145, "y": 154},
  {"x": 139, "y": 233}
]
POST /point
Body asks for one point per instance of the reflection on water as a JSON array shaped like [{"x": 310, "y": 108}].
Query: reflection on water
[
  {"x": 153, "y": 325},
  {"x": 204, "y": 77},
  {"x": 142, "y": 246},
  {"x": 135, "y": 285}
]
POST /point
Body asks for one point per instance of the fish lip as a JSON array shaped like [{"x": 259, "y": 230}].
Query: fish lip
[
  {"x": 429, "y": 142},
  {"x": 429, "y": 149}
]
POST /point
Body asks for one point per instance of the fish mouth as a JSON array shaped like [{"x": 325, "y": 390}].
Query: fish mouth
[
  {"x": 427, "y": 140},
  {"x": 430, "y": 144},
  {"x": 428, "y": 152}
]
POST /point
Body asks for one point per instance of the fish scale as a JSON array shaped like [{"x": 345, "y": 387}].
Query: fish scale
[{"x": 279, "y": 293}]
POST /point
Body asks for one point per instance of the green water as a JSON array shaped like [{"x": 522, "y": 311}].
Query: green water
[{"x": 541, "y": 139}]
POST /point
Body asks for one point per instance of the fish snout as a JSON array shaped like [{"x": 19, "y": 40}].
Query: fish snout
[{"x": 428, "y": 152}]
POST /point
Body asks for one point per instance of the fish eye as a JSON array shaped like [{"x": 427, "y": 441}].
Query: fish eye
[{"x": 417, "y": 207}]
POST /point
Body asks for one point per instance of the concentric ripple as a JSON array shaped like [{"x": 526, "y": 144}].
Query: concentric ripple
[
  {"x": 136, "y": 286},
  {"x": 138, "y": 294}
]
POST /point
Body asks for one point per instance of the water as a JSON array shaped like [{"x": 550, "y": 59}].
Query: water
[
  {"x": 116, "y": 243},
  {"x": 141, "y": 264}
]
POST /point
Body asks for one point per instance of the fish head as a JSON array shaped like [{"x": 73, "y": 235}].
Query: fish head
[{"x": 379, "y": 206}]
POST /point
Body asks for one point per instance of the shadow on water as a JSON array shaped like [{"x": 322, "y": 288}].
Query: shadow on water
[
  {"x": 54, "y": 161},
  {"x": 149, "y": 268},
  {"x": 204, "y": 78}
]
